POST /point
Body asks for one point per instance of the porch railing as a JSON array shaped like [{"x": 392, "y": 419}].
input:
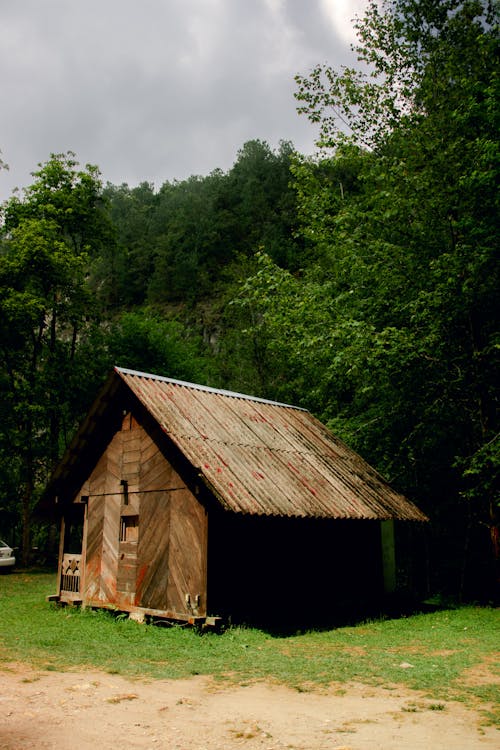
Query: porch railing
[{"x": 70, "y": 576}]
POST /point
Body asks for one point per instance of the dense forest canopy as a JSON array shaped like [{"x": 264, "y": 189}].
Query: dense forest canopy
[{"x": 361, "y": 283}]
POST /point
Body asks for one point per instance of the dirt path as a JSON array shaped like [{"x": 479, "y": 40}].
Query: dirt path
[{"x": 97, "y": 710}]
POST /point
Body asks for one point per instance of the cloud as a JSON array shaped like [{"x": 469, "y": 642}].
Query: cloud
[
  {"x": 161, "y": 89},
  {"x": 341, "y": 14}
]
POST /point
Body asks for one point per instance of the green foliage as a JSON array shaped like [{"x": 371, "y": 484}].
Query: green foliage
[
  {"x": 483, "y": 472},
  {"x": 69, "y": 197},
  {"x": 174, "y": 246},
  {"x": 257, "y": 194},
  {"x": 147, "y": 342},
  {"x": 392, "y": 334},
  {"x": 47, "y": 239},
  {"x": 187, "y": 247},
  {"x": 413, "y": 55},
  {"x": 122, "y": 274}
]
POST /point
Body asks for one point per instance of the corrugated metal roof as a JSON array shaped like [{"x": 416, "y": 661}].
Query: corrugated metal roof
[{"x": 265, "y": 458}]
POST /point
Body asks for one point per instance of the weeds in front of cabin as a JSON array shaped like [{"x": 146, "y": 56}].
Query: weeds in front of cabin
[{"x": 449, "y": 655}]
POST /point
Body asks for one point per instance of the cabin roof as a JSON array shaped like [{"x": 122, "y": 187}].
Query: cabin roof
[{"x": 257, "y": 456}]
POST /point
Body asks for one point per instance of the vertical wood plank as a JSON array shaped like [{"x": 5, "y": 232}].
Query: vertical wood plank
[
  {"x": 187, "y": 555},
  {"x": 84, "y": 548},
  {"x": 154, "y": 536},
  {"x": 109, "y": 559},
  {"x": 92, "y": 578}
]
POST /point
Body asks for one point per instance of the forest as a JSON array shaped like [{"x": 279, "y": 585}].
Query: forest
[{"x": 360, "y": 283}]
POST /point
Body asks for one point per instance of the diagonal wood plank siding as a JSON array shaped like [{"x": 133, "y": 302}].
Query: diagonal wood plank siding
[
  {"x": 187, "y": 554},
  {"x": 153, "y": 553},
  {"x": 164, "y": 568}
]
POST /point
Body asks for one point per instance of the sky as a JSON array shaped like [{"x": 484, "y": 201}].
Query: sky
[{"x": 158, "y": 90}]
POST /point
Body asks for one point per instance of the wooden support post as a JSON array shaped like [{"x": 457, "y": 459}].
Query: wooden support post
[
  {"x": 61, "y": 554},
  {"x": 388, "y": 556}
]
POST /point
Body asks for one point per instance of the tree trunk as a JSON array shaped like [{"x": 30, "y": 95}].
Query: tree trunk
[{"x": 27, "y": 501}]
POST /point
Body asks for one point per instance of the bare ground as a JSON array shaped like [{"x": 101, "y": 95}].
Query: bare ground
[{"x": 97, "y": 710}]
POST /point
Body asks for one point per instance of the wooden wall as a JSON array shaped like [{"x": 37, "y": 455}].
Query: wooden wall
[{"x": 146, "y": 533}]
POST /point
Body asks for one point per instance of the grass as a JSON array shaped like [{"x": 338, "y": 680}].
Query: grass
[{"x": 449, "y": 654}]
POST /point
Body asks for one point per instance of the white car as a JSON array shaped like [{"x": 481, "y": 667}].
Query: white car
[{"x": 7, "y": 559}]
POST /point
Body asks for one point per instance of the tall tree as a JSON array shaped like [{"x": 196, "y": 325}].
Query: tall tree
[
  {"x": 262, "y": 203},
  {"x": 397, "y": 326},
  {"x": 123, "y": 273},
  {"x": 48, "y": 238}
]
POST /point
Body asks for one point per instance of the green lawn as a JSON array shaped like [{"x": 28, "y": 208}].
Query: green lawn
[{"x": 449, "y": 654}]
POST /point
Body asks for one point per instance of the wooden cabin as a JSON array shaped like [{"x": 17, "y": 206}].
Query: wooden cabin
[{"x": 189, "y": 503}]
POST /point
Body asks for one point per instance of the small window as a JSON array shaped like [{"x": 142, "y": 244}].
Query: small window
[{"x": 129, "y": 528}]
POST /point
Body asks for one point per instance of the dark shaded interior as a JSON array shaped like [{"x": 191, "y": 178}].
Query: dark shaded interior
[{"x": 292, "y": 573}]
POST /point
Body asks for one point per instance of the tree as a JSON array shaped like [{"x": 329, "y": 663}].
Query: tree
[
  {"x": 262, "y": 203},
  {"x": 179, "y": 246},
  {"x": 123, "y": 273},
  {"x": 49, "y": 236},
  {"x": 186, "y": 248},
  {"x": 396, "y": 325},
  {"x": 145, "y": 341},
  {"x": 414, "y": 56}
]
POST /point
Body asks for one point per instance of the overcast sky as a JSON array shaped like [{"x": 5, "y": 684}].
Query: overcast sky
[{"x": 158, "y": 90}]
